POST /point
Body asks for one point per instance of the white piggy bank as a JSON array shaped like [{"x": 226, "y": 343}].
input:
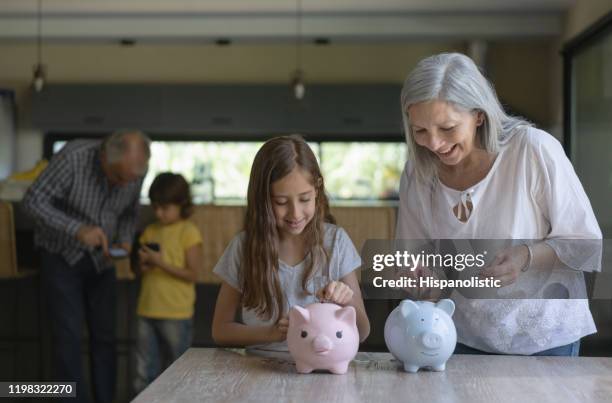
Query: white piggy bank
[{"x": 421, "y": 334}]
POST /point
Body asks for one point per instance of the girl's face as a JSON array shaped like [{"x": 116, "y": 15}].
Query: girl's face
[
  {"x": 167, "y": 213},
  {"x": 293, "y": 201},
  {"x": 446, "y": 131}
]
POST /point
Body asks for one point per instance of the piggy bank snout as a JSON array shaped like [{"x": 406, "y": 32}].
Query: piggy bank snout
[
  {"x": 431, "y": 340},
  {"x": 321, "y": 344}
]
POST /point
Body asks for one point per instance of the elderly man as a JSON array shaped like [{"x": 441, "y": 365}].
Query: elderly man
[{"x": 83, "y": 203}]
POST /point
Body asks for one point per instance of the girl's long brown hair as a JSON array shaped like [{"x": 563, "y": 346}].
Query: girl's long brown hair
[{"x": 261, "y": 287}]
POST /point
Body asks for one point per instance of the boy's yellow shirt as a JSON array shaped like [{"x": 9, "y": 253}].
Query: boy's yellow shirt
[{"x": 162, "y": 295}]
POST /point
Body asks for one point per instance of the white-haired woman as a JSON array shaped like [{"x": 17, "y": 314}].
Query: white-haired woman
[{"x": 476, "y": 172}]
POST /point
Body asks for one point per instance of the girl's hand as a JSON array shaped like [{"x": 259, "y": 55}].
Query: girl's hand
[
  {"x": 507, "y": 265},
  {"x": 149, "y": 256},
  {"x": 336, "y": 292},
  {"x": 278, "y": 331},
  {"x": 417, "y": 292}
]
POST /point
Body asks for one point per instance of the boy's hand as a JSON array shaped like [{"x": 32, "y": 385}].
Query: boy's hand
[
  {"x": 336, "y": 292},
  {"x": 143, "y": 267},
  {"x": 149, "y": 256}
]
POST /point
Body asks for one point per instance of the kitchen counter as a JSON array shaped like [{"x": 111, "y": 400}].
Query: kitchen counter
[{"x": 219, "y": 375}]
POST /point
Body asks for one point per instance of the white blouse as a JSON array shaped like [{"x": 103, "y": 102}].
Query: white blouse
[{"x": 531, "y": 192}]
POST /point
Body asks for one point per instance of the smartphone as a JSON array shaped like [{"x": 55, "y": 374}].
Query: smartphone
[
  {"x": 153, "y": 246},
  {"x": 118, "y": 253}
]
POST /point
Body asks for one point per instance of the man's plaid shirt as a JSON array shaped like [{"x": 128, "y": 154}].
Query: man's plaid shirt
[{"x": 72, "y": 191}]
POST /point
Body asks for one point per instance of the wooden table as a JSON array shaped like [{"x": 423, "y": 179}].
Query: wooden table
[{"x": 217, "y": 375}]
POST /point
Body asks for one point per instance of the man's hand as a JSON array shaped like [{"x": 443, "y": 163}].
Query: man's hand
[
  {"x": 93, "y": 236},
  {"x": 126, "y": 246}
]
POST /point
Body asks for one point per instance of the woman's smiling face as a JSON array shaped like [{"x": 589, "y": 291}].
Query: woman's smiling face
[{"x": 445, "y": 130}]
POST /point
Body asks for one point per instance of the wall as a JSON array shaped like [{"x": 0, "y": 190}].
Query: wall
[
  {"x": 519, "y": 72},
  {"x": 583, "y": 14},
  {"x": 578, "y": 18},
  {"x": 269, "y": 63},
  {"x": 175, "y": 63}
]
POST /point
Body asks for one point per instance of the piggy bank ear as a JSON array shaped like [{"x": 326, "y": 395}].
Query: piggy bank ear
[
  {"x": 407, "y": 307},
  {"x": 347, "y": 315},
  {"x": 447, "y": 305},
  {"x": 299, "y": 315}
]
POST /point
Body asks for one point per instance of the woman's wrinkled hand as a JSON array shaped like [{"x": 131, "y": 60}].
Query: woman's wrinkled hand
[{"x": 508, "y": 265}]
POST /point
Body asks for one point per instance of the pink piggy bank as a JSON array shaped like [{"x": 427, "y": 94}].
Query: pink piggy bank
[{"x": 322, "y": 336}]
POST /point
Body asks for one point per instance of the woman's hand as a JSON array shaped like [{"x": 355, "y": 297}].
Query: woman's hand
[
  {"x": 149, "y": 256},
  {"x": 278, "y": 331},
  {"x": 336, "y": 292},
  {"x": 507, "y": 265}
]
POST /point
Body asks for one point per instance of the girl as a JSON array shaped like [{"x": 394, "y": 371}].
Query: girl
[
  {"x": 169, "y": 258},
  {"x": 290, "y": 253}
]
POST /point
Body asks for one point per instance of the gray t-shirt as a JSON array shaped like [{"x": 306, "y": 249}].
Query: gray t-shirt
[{"x": 343, "y": 260}]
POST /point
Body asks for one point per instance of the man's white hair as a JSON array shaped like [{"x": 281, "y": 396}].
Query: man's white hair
[{"x": 114, "y": 145}]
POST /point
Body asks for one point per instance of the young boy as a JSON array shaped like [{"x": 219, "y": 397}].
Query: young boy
[{"x": 169, "y": 258}]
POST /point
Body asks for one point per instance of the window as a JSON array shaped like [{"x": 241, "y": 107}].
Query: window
[
  {"x": 216, "y": 170},
  {"x": 587, "y": 106},
  {"x": 363, "y": 170},
  {"x": 219, "y": 170}
]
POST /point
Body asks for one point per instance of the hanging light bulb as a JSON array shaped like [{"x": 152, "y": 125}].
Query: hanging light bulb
[
  {"x": 297, "y": 83},
  {"x": 40, "y": 76},
  {"x": 297, "y": 80},
  {"x": 40, "y": 71}
]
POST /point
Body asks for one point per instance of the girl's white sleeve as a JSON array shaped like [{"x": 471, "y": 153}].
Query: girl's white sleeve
[{"x": 228, "y": 266}]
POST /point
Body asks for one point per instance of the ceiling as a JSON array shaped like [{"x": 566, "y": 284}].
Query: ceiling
[{"x": 273, "y": 20}]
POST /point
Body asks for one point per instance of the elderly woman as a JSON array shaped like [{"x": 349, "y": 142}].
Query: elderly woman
[{"x": 476, "y": 172}]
